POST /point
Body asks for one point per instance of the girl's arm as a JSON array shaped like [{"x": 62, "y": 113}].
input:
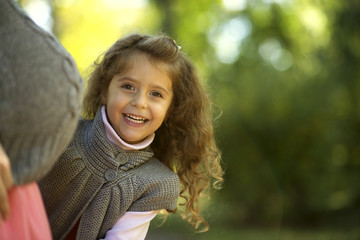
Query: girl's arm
[{"x": 133, "y": 225}]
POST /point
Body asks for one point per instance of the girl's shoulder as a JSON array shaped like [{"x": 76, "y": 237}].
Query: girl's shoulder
[
  {"x": 155, "y": 174},
  {"x": 157, "y": 169},
  {"x": 157, "y": 187}
]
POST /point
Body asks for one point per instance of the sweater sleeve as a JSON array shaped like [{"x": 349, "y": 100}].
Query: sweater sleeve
[
  {"x": 133, "y": 225},
  {"x": 157, "y": 188}
]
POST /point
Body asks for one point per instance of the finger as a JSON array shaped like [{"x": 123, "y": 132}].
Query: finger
[
  {"x": 5, "y": 183},
  {"x": 7, "y": 177},
  {"x": 4, "y": 203},
  {"x": 5, "y": 170}
]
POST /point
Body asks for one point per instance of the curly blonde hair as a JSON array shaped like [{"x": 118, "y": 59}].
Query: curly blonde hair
[{"x": 185, "y": 141}]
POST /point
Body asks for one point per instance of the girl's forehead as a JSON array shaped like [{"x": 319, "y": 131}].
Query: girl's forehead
[
  {"x": 139, "y": 58},
  {"x": 136, "y": 60}
]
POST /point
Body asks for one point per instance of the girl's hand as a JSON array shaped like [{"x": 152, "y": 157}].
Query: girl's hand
[{"x": 6, "y": 182}]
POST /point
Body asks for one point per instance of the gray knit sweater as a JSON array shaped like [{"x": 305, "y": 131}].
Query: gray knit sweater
[
  {"x": 96, "y": 181},
  {"x": 40, "y": 95}
]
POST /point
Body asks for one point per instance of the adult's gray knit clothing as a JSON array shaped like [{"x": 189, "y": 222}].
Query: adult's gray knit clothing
[
  {"x": 97, "y": 181},
  {"x": 40, "y": 95}
]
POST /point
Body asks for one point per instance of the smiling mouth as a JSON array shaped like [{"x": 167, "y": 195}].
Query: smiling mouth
[{"x": 135, "y": 119}]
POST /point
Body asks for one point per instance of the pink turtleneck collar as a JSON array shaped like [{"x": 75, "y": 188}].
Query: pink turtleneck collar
[{"x": 114, "y": 137}]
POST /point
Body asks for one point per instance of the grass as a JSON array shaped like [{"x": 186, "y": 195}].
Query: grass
[
  {"x": 175, "y": 229},
  {"x": 281, "y": 234},
  {"x": 256, "y": 234}
]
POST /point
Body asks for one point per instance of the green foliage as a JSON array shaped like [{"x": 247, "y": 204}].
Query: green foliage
[{"x": 290, "y": 125}]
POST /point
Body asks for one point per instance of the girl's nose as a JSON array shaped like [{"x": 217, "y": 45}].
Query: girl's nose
[{"x": 140, "y": 100}]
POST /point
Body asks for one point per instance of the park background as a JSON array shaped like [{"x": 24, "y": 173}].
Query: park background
[{"x": 284, "y": 76}]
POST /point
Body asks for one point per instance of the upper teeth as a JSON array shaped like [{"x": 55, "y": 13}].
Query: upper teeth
[{"x": 135, "y": 119}]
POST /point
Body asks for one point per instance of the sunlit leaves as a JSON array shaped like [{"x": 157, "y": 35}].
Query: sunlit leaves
[
  {"x": 227, "y": 38},
  {"x": 88, "y": 27}
]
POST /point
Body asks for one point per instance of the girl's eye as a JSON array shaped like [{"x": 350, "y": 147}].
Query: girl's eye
[
  {"x": 128, "y": 86},
  {"x": 156, "y": 94}
]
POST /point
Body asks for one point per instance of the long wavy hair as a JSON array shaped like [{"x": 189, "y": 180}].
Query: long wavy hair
[{"x": 185, "y": 141}]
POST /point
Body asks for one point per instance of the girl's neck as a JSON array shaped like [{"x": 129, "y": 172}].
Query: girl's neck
[{"x": 114, "y": 137}]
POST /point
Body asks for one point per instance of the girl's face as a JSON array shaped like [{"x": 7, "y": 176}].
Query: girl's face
[{"x": 137, "y": 100}]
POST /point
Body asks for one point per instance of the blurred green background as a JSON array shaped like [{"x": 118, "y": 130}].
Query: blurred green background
[{"x": 285, "y": 77}]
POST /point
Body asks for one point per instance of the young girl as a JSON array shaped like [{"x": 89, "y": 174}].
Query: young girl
[{"x": 115, "y": 175}]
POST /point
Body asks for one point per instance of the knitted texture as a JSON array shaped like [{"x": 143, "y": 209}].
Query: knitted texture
[
  {"x": 97, "y": 181},
  {"x": 40, "y": 95}
]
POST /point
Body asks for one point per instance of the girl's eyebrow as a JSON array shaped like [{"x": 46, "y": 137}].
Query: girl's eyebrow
[
  {"x": 126, "y": 78},
  {"x": 163, "y": 89},
  {"x": 157, "y": 86}
]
